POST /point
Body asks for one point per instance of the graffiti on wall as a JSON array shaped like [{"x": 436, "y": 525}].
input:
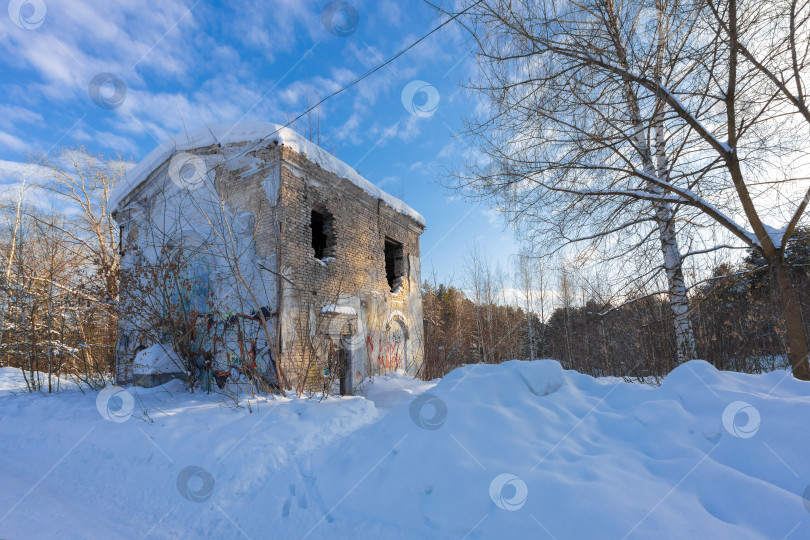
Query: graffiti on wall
[{"x": 388, "y": 350}]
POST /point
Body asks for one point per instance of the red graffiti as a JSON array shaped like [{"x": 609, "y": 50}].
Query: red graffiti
[{"x": 390, "y": 357}]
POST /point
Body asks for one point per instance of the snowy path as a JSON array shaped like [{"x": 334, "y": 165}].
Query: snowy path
[{"x": 582, "y": 458}]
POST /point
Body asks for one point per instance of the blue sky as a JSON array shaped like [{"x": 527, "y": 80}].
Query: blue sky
[{"x": 186, "y": 63}]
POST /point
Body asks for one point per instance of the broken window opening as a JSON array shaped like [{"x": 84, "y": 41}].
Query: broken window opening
[
  {"x": 323, "y": 237},
  {"x": 394, "y": 263}
]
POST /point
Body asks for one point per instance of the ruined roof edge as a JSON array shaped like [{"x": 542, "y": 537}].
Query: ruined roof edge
[{"x": 247, "y": 132}]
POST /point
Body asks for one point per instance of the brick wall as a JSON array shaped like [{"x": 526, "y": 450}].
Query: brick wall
[{"x": 355, "y": 276}]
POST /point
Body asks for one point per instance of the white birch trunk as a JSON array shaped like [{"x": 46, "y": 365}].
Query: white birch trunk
[
  {"x": 673, "y": 262},
  {"x": 664, "y": 216},
  {"x": 655, "y": 164}
]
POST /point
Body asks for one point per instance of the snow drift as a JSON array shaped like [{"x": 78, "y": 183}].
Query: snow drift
[{"x": 521, "y": 449}]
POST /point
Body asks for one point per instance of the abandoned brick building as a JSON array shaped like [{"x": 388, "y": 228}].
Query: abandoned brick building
[{"x": 249, "y": 245}]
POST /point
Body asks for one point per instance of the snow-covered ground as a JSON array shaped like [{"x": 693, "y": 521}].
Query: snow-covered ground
[
  {"x": 13, "y": 382},
  {"x": 518, "y": 450}
]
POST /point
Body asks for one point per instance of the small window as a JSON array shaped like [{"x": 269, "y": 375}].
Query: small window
[
  {"x": 323, "y": 238},
  {"x": 394, "y": 263}
]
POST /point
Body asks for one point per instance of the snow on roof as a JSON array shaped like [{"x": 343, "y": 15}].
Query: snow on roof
[{"x": 224, "y": 134}]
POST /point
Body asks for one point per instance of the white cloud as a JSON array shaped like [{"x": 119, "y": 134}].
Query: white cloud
[
  {"x": 11, "y": 116},
  {"x": 115, "y": 142},
  {"x": 410, "y": 128},
  {"x": 493, "y": 216},
  {"x": 83, "y": 37},
  {"x": 388, "y": 180},
  {"x": 10, "y": 141},
  {"x": 387, "y": 12},
  {"x": 12, "y": 176},
  {"x": 271, "y": 27},
  {"x": 15, "y": 171}
]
